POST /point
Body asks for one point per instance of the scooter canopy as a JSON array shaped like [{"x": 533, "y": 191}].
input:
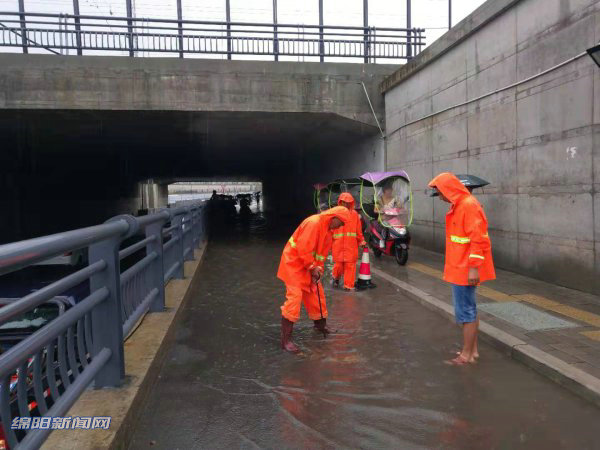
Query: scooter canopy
[
  {"x": 378, "y": 177},
  {"x": 387, "y": 196},
  {"x": 350, "y": 185}
]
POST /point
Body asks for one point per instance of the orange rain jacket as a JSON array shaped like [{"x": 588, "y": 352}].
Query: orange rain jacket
[
  {"x": 308, "y": 247},
  {"x": 467, "y": 241},
  {"x": 347, "y": 238}
]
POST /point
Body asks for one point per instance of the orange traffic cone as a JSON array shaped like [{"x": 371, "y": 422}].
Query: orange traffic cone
[{"x": 364, "y": 273}]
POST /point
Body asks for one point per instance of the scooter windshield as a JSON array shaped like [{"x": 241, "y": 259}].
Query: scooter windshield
[
  {"x": 335, "y": 189},
  {"x": 393, "y": 202},
  {"x": 349, "y": 185},
  {"x": 323, "y": 198}
]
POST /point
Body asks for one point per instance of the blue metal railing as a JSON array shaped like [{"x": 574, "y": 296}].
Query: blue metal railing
[{"x": 84, "y": 344}]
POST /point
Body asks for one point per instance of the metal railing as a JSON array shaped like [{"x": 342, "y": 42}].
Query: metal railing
[
  {"x": 84, "y": 344},
  {"x": 61, "y": 33}
]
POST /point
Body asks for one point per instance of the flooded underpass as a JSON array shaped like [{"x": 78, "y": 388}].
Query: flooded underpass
[{"x": 379, "y": 382}]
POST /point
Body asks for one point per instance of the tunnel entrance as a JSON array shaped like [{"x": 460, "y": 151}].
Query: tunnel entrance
[{"x": 64, "y": 169}]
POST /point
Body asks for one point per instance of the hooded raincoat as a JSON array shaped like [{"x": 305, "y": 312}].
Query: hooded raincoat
[
  {"x": 467, "y": 241},
  {"x": 346, "y": 241},
  {"x": 307, "y": 248}
]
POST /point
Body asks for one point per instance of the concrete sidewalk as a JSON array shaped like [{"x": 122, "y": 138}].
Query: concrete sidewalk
[{"x": 553, "y": 329}]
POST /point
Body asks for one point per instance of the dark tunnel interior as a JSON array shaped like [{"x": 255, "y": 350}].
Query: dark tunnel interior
[{"x": 64, "y": 169}]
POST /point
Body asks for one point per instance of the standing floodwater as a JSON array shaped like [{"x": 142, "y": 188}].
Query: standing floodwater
[{"x": 379, "y": 382}]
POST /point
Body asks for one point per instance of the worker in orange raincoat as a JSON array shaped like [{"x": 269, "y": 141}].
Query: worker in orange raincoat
[
  {"x": 301, "y": 269},
  {"x": 346, "y": 243},
  {"x": 468, "y": 257}
]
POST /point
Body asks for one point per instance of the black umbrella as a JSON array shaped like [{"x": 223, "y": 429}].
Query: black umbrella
[{"x": 470, "y": 181}]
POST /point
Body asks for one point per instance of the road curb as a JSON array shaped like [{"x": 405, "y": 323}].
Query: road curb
[{"x": 576, "y": 380}]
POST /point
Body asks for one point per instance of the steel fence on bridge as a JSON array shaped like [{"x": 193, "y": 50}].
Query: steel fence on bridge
[
  {"x": 45, "y": 373},
  {"x": 62, "y": 33}
]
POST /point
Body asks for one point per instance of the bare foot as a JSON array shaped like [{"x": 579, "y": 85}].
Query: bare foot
[
  {"x": 458, "y": 361},
  {"x": 475, "y": 355}
]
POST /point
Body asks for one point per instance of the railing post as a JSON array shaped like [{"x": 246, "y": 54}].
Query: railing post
[
  {"x": 228, "y": 20},
  {"x": 180, "y": 27},
  {"x": 408, "y": 30},
  {"x": 177, "y": 222},
  {"x": 366, "y": 29},
  {"x": 107, "y": 322},
  {"x": 321, "y": 41},
  {"x": 157, "y": 271},
  {"x": 130, "y": 27},
  {"x": 77, "y": 26},
  {"x": 275, "y": 39},
  {"x": 23, "y": 26}
]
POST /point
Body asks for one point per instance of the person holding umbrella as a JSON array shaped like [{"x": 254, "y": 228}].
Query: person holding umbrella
[
  {"x": 468, "y": 259},
  {"x": 301, "y": 268}
]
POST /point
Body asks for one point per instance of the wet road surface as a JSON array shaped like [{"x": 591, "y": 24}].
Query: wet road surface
[{"x": 379, "y": 382}]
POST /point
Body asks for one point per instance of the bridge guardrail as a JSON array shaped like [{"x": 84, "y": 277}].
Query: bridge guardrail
[
  {"x": 53, "y": 366},
  {"x": 61, "y": 33}
]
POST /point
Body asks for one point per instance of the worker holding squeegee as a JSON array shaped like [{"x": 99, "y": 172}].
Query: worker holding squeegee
[{"x": 301, "y": 269}]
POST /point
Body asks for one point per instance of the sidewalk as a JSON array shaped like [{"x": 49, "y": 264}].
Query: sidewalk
[{"x": 553, "y": 329}]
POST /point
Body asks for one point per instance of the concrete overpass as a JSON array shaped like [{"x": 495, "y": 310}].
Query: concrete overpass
[{"x": 104, "y": 124}]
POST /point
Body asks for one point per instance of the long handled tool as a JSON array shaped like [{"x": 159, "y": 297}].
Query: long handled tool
[{"x": 321, "y": 307}]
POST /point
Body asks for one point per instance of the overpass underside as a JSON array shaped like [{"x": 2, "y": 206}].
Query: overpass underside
[{"x": 70, "y": 168}]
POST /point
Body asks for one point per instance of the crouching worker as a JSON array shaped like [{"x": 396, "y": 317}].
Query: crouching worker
[
  {"x": 301, "y": 269},
  {"x": 468, "y": 259},
  {"x": 346, "y": 243}
]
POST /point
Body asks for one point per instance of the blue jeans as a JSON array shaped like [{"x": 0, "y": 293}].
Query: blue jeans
[{"x": 465, "y": 309}]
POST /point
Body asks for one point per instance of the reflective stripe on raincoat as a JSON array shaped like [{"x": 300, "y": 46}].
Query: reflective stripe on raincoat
[
  {"x": 347, "y": 238},
  {"x": 467, "y": 241},
  {"x": 308, "y": 247}
]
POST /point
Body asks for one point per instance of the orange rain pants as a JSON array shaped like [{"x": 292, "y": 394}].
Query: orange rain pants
[
  {"x": 306, "y": 249},
  {"x": 294, "y": 297},
  {"x": 348, "y": 270}
]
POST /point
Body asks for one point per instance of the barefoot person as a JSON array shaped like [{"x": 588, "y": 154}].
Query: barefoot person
[
  {"x": 301, "y": 269},
  {"x": 468, "y": 259},
  {"x": 347, "y": 244}
]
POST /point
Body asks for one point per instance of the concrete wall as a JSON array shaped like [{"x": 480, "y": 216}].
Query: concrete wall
[
  {"x": 172, "y": 84},
  {"x": 350, "y": 160},
  {"x": 536, "y": 143},
  {"x": 339, "y": 149}
]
